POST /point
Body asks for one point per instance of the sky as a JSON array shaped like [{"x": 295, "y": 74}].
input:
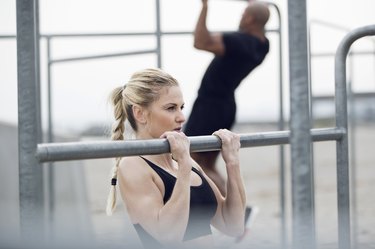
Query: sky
[{"x": 80, "y": 89}]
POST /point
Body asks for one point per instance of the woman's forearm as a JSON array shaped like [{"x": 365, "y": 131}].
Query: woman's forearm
[
  {"x": 235, "y": 202},
  {"x": 175, "y": 213}
]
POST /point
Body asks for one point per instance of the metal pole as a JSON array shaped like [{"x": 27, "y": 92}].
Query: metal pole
[
  {"x": 107, "y": 149},
  {"x": 281, "y": 126},
  {"x": 311, "y": 116},
  {"x": 158, "y": 34},
  {"x": 343, "y": 199},
  {"x": 37, "y": 72},
  {"x": 50, "y": 171},
  {"x": 30, "y": 171},
  {"x": 302, "y": 185},
  {"x": 352, "y": 150}
]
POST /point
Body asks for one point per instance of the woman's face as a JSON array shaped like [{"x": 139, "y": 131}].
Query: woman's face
[{"x": 165, "y": 114}]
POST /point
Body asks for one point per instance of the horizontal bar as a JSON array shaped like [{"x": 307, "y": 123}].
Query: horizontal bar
[
  {"x": 102, "y": 56},
  {"x": 355, "y": 95},
  {"x": 8, "y": 36},
  {"x": 48, "y": 152},
  {"x": 213, "y": 31},
  {"x": 352, "y": 53},
  {"x": 83, "y": 35}
]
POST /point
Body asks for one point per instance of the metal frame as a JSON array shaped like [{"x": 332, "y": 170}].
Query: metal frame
[
  {"x": 352, "y": 96},
  {"x": 159, "y": 33},
  {"x": 30, "y": 170},
  {"x": 32, "y": 152},
  {"x": 342, "y": 145}
]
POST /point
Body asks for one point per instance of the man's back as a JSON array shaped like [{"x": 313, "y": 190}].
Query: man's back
[{"x": 243, "y": 53}]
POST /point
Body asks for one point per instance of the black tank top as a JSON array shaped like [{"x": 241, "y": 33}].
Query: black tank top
[{"x": 203, "y": 205}]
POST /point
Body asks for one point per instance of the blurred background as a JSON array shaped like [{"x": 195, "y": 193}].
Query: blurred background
[{"x": 81, "y": 112}]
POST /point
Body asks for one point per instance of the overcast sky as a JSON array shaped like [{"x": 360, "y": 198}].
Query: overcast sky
[{"x": 84, "y": 86}]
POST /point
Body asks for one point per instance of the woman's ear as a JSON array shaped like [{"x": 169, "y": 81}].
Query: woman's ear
[{"x": 139, "y": 114}]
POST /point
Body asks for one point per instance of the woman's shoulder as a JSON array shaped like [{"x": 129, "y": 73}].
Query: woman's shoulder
[{"x": 133, "y": 168}]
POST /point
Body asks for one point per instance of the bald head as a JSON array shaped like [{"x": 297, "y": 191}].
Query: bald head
[{"x": 259, "y": 11}]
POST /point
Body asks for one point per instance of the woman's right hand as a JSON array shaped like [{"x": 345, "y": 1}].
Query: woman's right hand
[{"x": 180, "y": 146}]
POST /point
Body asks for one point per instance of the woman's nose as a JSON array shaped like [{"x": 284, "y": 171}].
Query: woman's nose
[{"x": 181, "y": 117}]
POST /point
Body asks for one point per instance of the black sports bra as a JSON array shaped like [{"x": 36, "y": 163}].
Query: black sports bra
[{"x": 203, "y": 205}]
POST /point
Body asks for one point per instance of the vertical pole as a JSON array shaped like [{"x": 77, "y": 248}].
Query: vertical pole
[
  {"x": 50, "y": 169},
  {"x": 30, "y": 171},
  {"x": 352, "y": 140},
  {"x": 342, "y": 150},
  {"x": 158, "y": 34},
  {"x": 37, "y": 72},
  {"x": 302, "y": 194},
  {"x": 50, "y": 137},
  {"x": 311, "y": 116},
  {"x": 281, "y": 127},
  {"x": 342, "y": 165}
]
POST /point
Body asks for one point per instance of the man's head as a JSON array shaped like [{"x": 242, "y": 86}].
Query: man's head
[{"x": 255, "y": 15}]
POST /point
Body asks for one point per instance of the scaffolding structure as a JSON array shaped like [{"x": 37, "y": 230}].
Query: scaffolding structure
[{"x": 32, "y": 152}]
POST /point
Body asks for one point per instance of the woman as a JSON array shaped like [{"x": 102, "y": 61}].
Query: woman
[{"x": 169, "y": 199}]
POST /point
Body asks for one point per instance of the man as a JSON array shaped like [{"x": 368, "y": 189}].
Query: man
[{"x": 236, "y": 55}]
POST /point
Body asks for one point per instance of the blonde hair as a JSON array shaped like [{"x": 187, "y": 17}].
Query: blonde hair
[{"x": 142, "y": 89}]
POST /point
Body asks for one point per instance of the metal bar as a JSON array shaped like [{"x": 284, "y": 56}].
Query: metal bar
[
  {"x": 355, "y": 96},
  {"x": 311, "y": 117},
  {"x": 30, "y": 174},
  {"x": 281, "y": 126},
  {"x": 37, "y": 76},
  {"x": 81, "y": 58},
  {"x": 214, "y": 31},
  {"x": 8, "y": 36},
  {"x": 158, "y": 34},
  {"x": 50, "y": 137},
  {"x": 352, "y": 155},
  {"x": 343, "y": 196},
  {"x": 303, "y": 224},
  {"x": 85, "y": 35},
  {"x": 104, "y": 149},
  {"x": 352, "y": 53},
  {"x": 50, "y": 168}
]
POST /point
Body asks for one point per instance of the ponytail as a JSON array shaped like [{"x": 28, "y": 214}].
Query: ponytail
[
  {"x": 112, "y": 196},
  {"x": 117, "y": 134}
]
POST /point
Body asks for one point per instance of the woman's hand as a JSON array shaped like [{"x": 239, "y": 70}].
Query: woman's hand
[
  {"x": 230, "y": 146},
  {"x": 180, "y": 147}
]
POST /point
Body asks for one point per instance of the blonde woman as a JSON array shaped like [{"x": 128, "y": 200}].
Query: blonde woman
[{"x": 169, "y": 198}]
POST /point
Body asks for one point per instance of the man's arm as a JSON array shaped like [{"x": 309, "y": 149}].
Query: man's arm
[{"x": 203, "y": 39}]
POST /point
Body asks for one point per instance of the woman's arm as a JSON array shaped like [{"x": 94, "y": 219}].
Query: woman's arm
[
  {"x": 144, "y": 199},
  {"x": 230, "y": 216}
]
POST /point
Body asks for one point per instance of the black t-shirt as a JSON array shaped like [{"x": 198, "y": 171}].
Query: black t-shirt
[{"x": 243, "y": 53}]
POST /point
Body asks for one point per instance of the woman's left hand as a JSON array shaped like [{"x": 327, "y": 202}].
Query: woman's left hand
[{"x": 230, "y": 146}]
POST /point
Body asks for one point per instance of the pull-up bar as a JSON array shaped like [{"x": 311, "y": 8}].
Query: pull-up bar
[{"x": 105, "y": 149}]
